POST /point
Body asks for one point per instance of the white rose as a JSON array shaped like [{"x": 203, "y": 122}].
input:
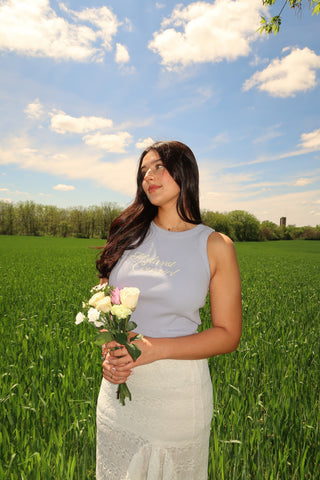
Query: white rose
[
  {"x": 96, "y": 298},
  {"x": 120, "y": 311},
  {"x": 99, "y": 287},
  {"x": 98, "y": 324},
  {"x": 79, "y": 318},
  {"x": 129, "y": 297},
  {"x": 104, "y": 305},
  {"x": 93, "y": 317}
]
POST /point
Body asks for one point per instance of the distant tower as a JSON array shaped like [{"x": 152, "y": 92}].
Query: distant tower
[{"x": 283, "y": 221}]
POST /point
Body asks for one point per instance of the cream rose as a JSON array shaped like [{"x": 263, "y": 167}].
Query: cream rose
[
  {"x": 104, "y": 305},
  {"x": 129, "y": 297},
  {"x": 96, "y": 298},
  {"x": 120, "y": 311}
]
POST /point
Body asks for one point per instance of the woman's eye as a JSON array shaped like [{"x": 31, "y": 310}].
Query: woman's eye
[{"x": 153, "y": 170}]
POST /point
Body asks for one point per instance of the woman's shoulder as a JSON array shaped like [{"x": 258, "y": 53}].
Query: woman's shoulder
[
  {"x": 220, "y": 249},
  {"x": 219, "y": 239}
]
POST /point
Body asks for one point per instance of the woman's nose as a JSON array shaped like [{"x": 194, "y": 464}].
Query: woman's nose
[{"x": 148, "y": 173}]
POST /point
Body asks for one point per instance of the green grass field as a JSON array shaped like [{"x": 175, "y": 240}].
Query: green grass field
[{"x": 266, "y": 394}]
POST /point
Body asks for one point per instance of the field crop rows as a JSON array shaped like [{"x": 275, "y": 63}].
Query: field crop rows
[{"x": 266, "y": 394}]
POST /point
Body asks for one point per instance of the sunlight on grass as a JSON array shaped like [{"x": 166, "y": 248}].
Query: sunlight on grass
[{"x": 266, "y": 394}]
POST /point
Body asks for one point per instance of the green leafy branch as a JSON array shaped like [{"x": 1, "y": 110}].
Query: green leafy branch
[
  {"x": 273, "y": 25},
  {"x": 118, "y": 330}
]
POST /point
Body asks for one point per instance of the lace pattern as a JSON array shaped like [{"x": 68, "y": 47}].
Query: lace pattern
[{"x": 163, "y": 433}]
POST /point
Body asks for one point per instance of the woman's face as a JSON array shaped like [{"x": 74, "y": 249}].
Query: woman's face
[{"x": 159, "y": 186}]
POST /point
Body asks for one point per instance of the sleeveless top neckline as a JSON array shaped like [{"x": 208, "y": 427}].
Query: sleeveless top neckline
[
  {"x": 172, "y": 272},
  {"x": 194, "y": 230}
]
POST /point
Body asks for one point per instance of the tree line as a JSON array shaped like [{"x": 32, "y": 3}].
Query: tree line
[{"x": 29, "y": 218}]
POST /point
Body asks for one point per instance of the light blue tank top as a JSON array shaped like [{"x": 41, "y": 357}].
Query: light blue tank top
[{"x": 172, "y": 271}]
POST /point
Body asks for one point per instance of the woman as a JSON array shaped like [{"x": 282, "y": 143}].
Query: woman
[{"x": 159, "y": 245}]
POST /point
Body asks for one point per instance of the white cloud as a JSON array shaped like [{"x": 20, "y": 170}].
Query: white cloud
[
  {"x": 63, "y": 188},
  {"x": 221, "y": 138},
  {"x": 63, "y": 123},
  {"x": 127, "y": 25},
  {"x": 34, "y": 109},
  {"x": 219, "y": 191},
  {"x": 310, "y": 140},
  {"x": 301, "y": 182},
  {"x": 224, "y": 193},
  {"x": 72, "y": 163},
  {"x": 257, "y": 61},
  {"x": 206, "y": 32},
  {"x": 296, "y": 72},
  {"x": 122, "y": 55},
  {"x": 269, "y": 134},
  {"x": 103, "y": 18},
  {"x": 16, "y": 192},
  {"x": 33, "y": 28},
  {"x": 144, "y": 143},
  {"x": 115, "y": 143},
  {"x": 205, "y": 93}
]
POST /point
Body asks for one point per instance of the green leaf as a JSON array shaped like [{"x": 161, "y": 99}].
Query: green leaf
[
  {"x": 133, "y": 350},
  {"x": 268, "y": 2},
  {"x": 136, "y": 337},
  {"x": 103, "y": 337},
  {"x": 131, "y": 326},
  {"x": 272, "y": 26},
  {"x": 123, "y": 393},
  {"x": 316, "y": 6},
  {"x": 263, "y": 23},
  {"x": 121, "y": 338}
]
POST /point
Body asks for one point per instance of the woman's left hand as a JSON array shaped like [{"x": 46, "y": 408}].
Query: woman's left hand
[{"x": 118, "y": 363}]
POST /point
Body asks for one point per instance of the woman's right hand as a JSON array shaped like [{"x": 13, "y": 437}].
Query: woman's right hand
[{"x": 116, "y": 359}]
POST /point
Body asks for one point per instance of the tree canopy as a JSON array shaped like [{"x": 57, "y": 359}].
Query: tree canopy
[
  {"x": 273, "y": 25},
  {"x": 29, "y": 218}
]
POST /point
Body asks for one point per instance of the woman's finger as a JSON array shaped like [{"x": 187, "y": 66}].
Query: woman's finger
[
  {"x": 118, "y": 352},
  {"x": 113, "y": 344},
  {"x": 119, "y": 362},
  {"x": 114, "y": 349},
  {"x": 114, "y": 375}
]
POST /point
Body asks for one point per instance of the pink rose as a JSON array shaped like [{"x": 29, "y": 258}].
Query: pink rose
[{"x": 115, "y": 297}]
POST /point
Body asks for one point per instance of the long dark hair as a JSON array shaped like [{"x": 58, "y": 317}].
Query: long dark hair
[{"x": 130, "y": 228}]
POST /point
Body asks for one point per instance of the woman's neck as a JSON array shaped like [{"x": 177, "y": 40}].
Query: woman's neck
[{"x": 171, "y": 221}]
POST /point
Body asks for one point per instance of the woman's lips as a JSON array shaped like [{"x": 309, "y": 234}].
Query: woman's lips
[{"x": 153, "y": 188}]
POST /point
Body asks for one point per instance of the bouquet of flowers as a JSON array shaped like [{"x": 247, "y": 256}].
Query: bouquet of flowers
[{"x": 109, "y": 309}]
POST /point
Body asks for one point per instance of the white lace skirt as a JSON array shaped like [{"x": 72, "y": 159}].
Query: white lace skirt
[{"x": 163, "y": 432}]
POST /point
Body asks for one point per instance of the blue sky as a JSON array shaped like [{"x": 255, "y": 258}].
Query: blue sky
[{"x": 85, "y": 85}]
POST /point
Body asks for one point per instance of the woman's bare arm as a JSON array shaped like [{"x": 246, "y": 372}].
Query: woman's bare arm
[{"x": 226, "y": 316}]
